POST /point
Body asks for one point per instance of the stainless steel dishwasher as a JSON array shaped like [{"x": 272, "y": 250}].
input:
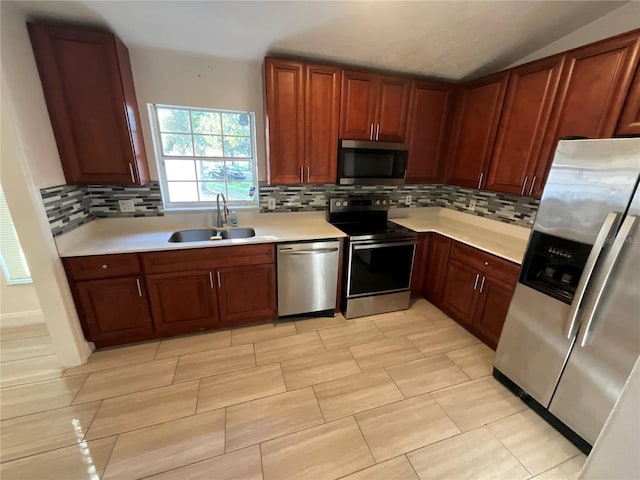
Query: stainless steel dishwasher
[{"x": 307, "y": 278}]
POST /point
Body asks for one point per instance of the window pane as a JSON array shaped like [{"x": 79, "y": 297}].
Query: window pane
[
  {"x": 177, "y": 145},
  {"x": 236, "y": 124},
  {"x": 239, "y": 170},
  {"x": 174, "y": 120},
  {"x": 206, "y": 122},
  {"x": 239, "y": 191},
  {"x": 239, "y": 147},
  {"x": 180, "y": 170},
  {"x": 210, "y": 170},
  {"x": 208, "y": 145},
  {"x": 210, "y": 190},
  {"x": 183, "y": 191}
]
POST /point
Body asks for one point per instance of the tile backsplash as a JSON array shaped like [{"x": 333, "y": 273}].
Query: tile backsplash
[{"x": 69, "y": 206}]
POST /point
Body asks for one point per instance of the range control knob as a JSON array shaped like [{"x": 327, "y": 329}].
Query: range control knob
[
  {"x": 377, "y": 202},
  {"x": 384, "y": 202}
]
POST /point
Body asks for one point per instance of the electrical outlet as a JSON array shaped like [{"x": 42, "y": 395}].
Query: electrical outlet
[
  {"x": 271, "y": 203},
  {"x": 407, "y": 200},
  {"x": 126, "y": 206},
  {"x": 472, "y": 204}
]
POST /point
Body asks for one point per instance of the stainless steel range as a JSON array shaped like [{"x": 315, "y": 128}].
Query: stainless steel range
[{"x": 378, "y": 256}]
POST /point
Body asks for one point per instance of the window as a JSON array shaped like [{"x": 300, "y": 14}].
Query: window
[
  {"x": 14, "y": 265},
  {"x": 202, "y": 152}
]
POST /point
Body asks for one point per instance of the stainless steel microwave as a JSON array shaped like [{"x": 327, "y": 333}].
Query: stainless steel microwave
[{"x": 371, "y": 163}]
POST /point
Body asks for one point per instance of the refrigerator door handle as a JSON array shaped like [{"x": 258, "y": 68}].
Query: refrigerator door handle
[
  {"x": 602, "y": 280},
  {"x": 572, "y": 323}
]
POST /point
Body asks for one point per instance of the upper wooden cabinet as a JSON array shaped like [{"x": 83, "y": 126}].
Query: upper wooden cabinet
[
  {"x": 477, "y": 116},
  {"x": 374, "y": 107},
  {"x": 88, "y": 86},
  {"x": 301, "y": 121},
  {"x": 525, "y": 118},
  {"x": 429, "y": 112},
  {"x": 629, "y": 123}
]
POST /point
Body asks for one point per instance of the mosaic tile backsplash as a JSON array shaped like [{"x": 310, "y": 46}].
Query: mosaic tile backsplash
[{"x": 69, "y": 206}]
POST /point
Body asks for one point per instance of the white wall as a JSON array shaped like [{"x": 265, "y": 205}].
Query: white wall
[
  {"x": 621, "y": 20},
  {"x": 179, "y": 78},
  {"x": 17, "y": 298}
]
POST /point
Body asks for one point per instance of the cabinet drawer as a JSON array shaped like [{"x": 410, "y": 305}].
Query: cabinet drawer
[
  {"x": 485, "y": 263},
  {"x": 207, "y": 258},
  {"x": 102, "y": 266}
]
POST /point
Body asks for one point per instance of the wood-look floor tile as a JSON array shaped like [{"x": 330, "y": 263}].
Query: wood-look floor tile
[
  {"x": 403, "y": 426},
  {"x": 29, "y": 370},
  {"x": 442, "y": 339},
  {"x": 26, "y": 348},
  {"x": 239, "y": 465},
  {"x": 39, "y": 396},
  {"x": 143, "y": 409},
  {"x": 8, "y": 334},
  {"x": 258, "y": 333},
  {"x": 384, "y": 353},
  {"x": 533, "y": 441},
  {"x": 222, "y": 360},
  {"x": 349, "y": 335},
  {"x": 325, "y": 452},
  {"x": 426, "y": 375},
  {"x": 310, "y": 324},
  {"x": 44, "y": 431},
  {"x": 122, "y": 380},
  {"x": 469, "y": 456},
  {"x": 476, "y": 360},
  {"x": 259, "y": 420},
  {"x": 552, "y": 474},
  {"x": 200, "y": 342},
  {"x": 478, "y": 402},
  {"x": 318, "y": 368},
  {"x": 279, "y": 349},
  {"x": 116, "y": 357},
  {"x": 170, "y": 445},
  {"x": 403, "y": 325},
  {"x": 397, "y": 468},
  {"x": 68, "y": 463},
  {"x": 569, "y": 470},
  {"x": 356, "y": 393},
  {"x": 241, "y": 386}
]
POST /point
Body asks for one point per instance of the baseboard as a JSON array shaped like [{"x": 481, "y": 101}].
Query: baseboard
[{"x": 20, "y": 319}]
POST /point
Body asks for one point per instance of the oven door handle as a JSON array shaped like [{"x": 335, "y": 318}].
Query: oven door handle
[{"x": 381, "y": 245}]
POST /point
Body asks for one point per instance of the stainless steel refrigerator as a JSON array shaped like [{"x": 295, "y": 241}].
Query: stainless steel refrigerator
[{"x": 572, "y": 333}]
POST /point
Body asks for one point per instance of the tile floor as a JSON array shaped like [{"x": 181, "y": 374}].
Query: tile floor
[{"x": 402, "y": 396}]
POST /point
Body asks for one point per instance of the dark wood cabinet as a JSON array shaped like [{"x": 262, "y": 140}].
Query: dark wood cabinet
[
  {"x": 525, "y": 118},
  {"x": 436, "y": 258},
  {"x": 459, "y": 292},
  {"x": 629, "y": 123},
  {"x": 477, "y": 115},
  {"x": 429, "y": 113},
  {"x": 88, "y": 86},
  {"x": 247, "y": 294},
  {"x": 494, "y": 298},
  {"x": 374, "y": 107}
]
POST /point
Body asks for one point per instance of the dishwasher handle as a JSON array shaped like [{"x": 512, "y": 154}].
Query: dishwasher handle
[{"x": 290, "y": 251}]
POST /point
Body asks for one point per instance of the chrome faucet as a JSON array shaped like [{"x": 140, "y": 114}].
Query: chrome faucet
[{"x": 225, "y": 210}]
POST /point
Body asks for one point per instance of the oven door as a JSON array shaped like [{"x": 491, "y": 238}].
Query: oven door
[{"x": 377, "y": 267}]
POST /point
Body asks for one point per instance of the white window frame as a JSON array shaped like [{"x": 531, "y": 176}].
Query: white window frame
[
  {"x": 12, "y": 261},
  {"x": 160, "y": 158}
]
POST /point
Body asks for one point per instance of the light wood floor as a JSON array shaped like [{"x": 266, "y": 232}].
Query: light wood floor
[{"x": 404, "y": 396}]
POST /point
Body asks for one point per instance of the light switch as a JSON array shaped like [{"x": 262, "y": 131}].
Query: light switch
[{"x": 126, "y": 206}]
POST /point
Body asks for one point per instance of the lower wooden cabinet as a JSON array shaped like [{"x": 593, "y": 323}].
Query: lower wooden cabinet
[
  {"x": 247, "y": 294},
  {"x": 459, "y": 292},
  {"x": 436, "y": 257},
  {"x": 494, "y": 297}
]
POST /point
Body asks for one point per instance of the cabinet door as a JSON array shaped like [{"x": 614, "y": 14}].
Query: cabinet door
[
  {"x": 478, "y": 112},
  {"x": 459, "y": 291},
  {"x": 392, "y": 109},
  {"x": 84, "y": 76},
  {"x": 437, "y": 257},
  {"x": 428, "y": 118},
  {"x": 114, "y": 311},
  {"x": 358, "y": 97},
  {"x": 493, "y": 303},
  {"x": 629, "y": 123},
  {"x": 183, "y": 302},
  {"x": 284, "y": 120},
  {"x": 525, "y": 118},
  {"x": 247, "y": 294},
  {"x": 322, "y": 104}
]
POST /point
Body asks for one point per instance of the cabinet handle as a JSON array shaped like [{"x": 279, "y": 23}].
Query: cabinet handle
[
  {"x": 105, "y": 266},
  {"x": 532, "y": 184},
  {"x": 480, "y": 181},
  {"x": 371, "y": 132},
  {"x": 210, "y": 280},
  {"x": 377, "y": 132},
  {"x": 475, "y": 284},
  {"x": 133, "y": 178},
  {"x": 139, "y": 289},
  {"x": 524, "y": 185},
  {"x": 308, "y": 173},
  {"x": 482, "y": 284},
  {"x": 219, "y": 281},
  {"x": 301, "y": 174},
  {"x": 486, "y": 264}
]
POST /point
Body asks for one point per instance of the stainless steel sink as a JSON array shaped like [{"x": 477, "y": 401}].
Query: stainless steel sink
[{"x": 206, "y": 234}]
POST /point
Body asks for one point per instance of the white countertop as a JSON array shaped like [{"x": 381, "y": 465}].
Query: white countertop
[{"x": 143, "y": 234}]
